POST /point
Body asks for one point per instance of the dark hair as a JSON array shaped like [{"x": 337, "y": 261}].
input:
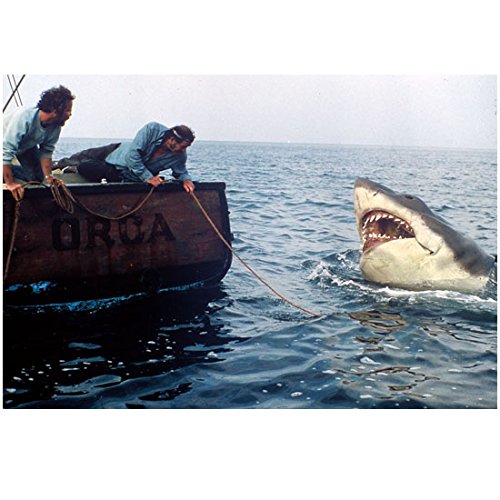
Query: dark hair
[
  {"x": 55, "y": 99},
  {"x": 182, "y": 133}
]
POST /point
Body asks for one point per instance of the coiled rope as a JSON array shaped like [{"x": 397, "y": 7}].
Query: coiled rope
[{"x": 66, "y": 200}]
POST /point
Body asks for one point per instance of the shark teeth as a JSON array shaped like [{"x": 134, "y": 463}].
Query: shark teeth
[
  {"x": 380, "y": 227},
  {"x": 378, "y": 216}
]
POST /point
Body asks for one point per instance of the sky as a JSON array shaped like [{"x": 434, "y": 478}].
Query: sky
[{"x": 396, "y": 110}]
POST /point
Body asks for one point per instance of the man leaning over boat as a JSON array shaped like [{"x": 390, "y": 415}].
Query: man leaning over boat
[
  {"x": 30, "y": 136},
  {"x": 154, "y": 150}
]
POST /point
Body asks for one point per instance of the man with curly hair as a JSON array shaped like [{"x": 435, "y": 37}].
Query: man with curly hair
[
  {"x": 30, "y": 136},
  {"x": 154, "y": 153}
]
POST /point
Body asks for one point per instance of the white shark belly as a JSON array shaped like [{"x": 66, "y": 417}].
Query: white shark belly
[{"x": 398, "y": 264}]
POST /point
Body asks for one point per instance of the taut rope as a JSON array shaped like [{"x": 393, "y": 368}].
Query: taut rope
[
  {"x": 66, "y": 201},
  {"x": 219, "y": 234}
]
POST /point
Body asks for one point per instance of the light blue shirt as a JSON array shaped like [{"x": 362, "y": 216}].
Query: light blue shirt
[
  {"x": 134, "y": 159},
  {"x": 22, "y": 130}
]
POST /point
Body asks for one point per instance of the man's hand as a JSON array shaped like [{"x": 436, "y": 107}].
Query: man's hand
[
  {"x": 155, "y": 181},
  {"x": 49, "y": 179},
  {"x": 13, "y": 186},
  {"x": 188, "y": 186},
  {"x": 16, "y": 189}
]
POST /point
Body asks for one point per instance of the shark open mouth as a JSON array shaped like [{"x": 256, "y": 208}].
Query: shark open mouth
[{"x": 381, "y": 227}]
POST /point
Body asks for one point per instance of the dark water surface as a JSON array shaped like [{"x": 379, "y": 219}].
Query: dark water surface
[{"x": 237, "y": 345}]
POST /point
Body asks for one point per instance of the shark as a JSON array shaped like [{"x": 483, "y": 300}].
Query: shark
[{"x": 404, "y": 244}]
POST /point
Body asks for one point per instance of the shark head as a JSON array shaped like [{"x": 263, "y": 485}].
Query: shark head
[{"x": 406, "y": 245}]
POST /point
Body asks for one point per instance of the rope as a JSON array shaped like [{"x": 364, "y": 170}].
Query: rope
[
  {"x": 219, "y": 234},
  {"x": 63, "y": 197},
  {"x": 17, "y": 214},
  {"x": 66, "y": 200},
  {"x": 12, "y": 239}
]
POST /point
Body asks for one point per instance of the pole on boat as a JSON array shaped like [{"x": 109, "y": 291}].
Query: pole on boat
[{"x": 13, "y": 93}]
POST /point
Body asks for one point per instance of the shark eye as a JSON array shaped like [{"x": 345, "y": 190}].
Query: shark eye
[{"x": 409, "y": 197}]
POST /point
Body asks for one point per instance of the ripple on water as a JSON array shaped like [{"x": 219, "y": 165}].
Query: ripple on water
[{"x": 237, "y": 345}]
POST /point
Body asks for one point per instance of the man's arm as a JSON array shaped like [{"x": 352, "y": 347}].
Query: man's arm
[
  {"x": 180, "y": 172},
  {"x": 48, "y": 146},
  {"x": 46, "y": 164},
  {"x": 16, "y": 129},
  {"x": 158, "y": 179}
]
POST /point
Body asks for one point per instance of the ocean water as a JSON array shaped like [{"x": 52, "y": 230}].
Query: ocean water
[{"x": 239, "y": 346}]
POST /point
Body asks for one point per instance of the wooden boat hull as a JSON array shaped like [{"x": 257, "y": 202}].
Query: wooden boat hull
[{"x": 165, "y": 244}]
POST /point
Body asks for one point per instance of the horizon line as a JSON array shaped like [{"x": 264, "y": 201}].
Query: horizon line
[{"x": 307, "y": 143}]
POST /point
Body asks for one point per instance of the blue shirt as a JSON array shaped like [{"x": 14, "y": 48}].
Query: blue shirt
[
  {"x": 22, "y": 130},
  {"x": 134, "y": 159}
]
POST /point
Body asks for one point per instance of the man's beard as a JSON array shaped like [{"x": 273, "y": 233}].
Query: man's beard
[{"x": 60, "y": 122}]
